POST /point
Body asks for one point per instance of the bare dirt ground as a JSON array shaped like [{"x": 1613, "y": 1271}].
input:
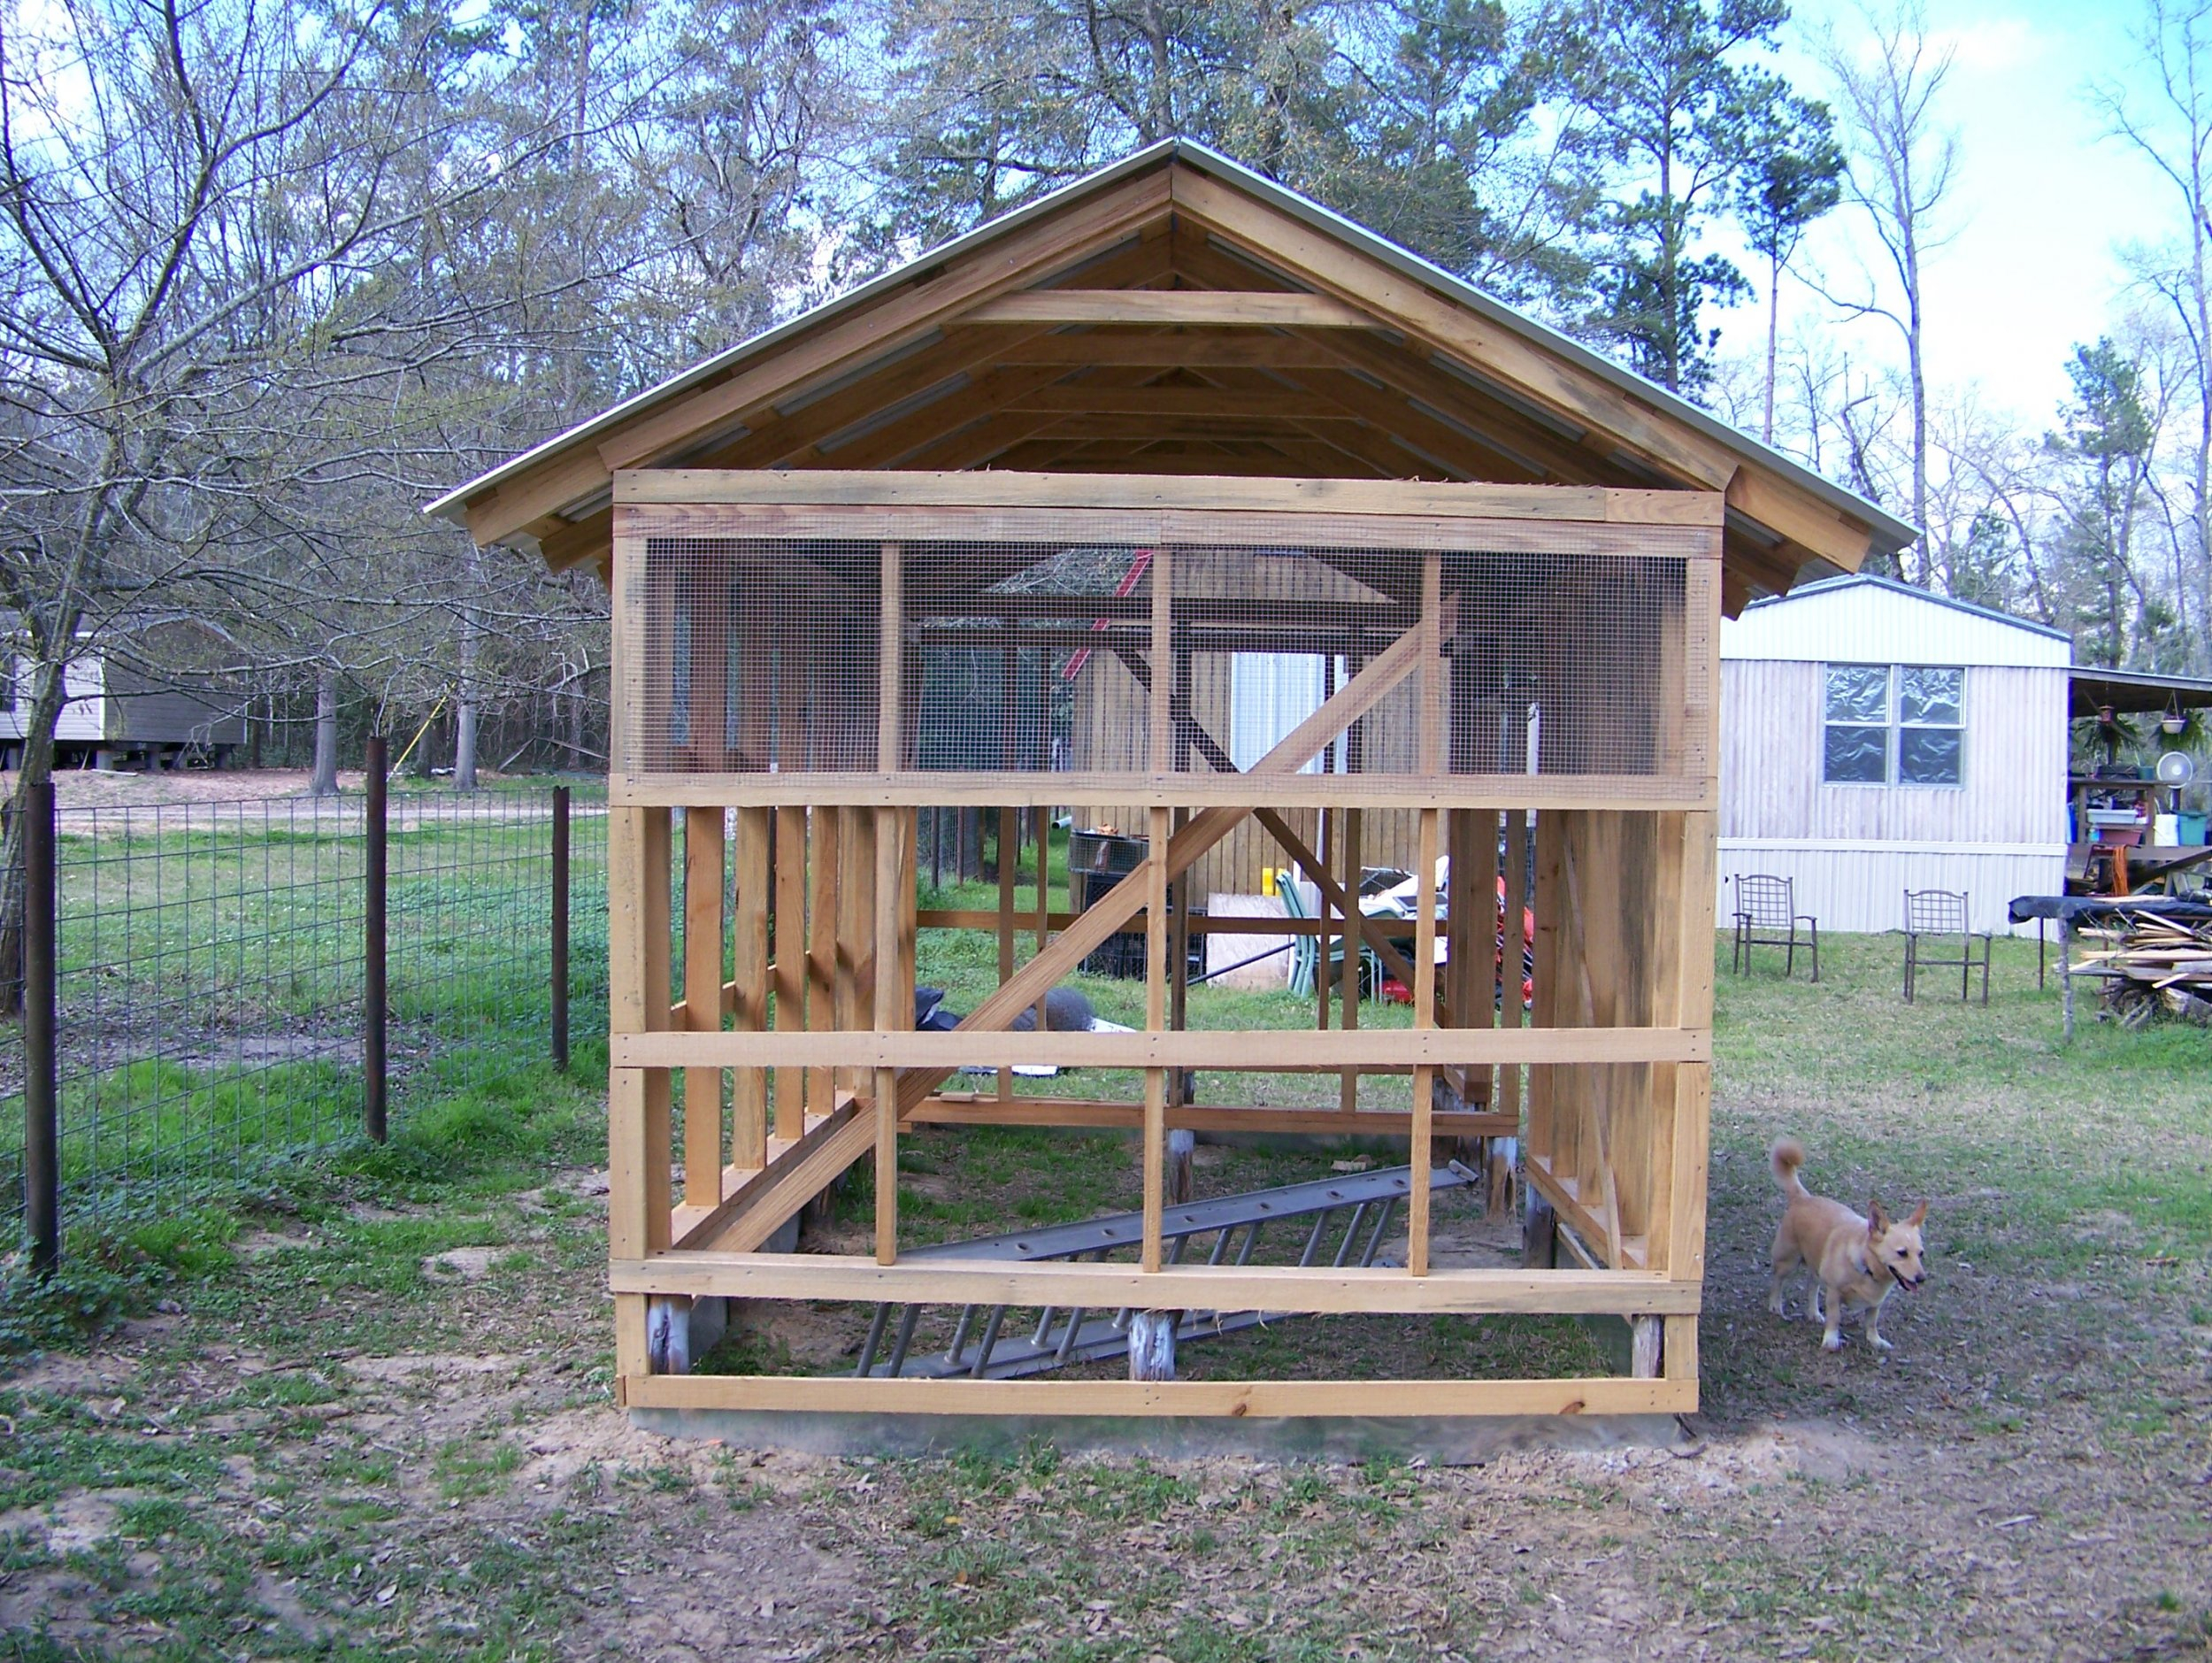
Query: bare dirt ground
[
  {"x": 386, "y": 1431},
  {"x": 346, "y": 1452}
]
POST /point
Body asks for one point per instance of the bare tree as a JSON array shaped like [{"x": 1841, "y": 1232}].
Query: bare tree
[
  {"x": 1901, "y": 165},
  {"x": 2169, "y": 123}
]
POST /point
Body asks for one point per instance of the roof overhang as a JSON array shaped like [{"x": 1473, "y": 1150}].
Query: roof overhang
[
  {"x": 1420, "y": 374},
  {"x": 2132, "y": 692}
]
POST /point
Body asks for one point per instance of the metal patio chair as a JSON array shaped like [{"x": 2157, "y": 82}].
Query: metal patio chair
[
  {"x": 1942, "y": 916},
  {"x": 1767, "y": 916}
]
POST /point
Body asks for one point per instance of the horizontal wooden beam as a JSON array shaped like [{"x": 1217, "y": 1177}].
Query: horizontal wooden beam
[
  {"x": 1215, "y": 308},
  {"x": 1235, "y": 1399},
  {"x": 1256, "y": 1050},
  {"x": 1078, "y": 399},
  {"x": 1631, "y": 793},
  {"x": 1240, "y": 350},
  {"x": 1097, "y": 1284},
  {"x": 996, "y": 488},
  {"x": 982, "y": 918},
  {"x": 990, "y": 1111}
]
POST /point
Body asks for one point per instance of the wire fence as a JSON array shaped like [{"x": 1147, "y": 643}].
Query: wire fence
[{"x": 214, "y": 991}]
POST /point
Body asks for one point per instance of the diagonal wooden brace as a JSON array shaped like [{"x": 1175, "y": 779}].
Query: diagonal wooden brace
[
  {"x": 1207, "y": 746},
  {"x": 1111, "y": 913}
]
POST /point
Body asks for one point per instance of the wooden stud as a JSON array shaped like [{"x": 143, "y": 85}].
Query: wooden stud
[
  {"x": 1008, "y": 848},
  {"x": 890, "y": 659},
  {"x": 749, "y": 984},
  {"x": 822, "y": 865},
  {"x": 854, "y": 927},
  {"x": 1348, "y": 991},
  {"x": 1160, "y": 708},
  {"x": 895, "y": 850},
  {"x": 1423, "y": 1016},
  {"x": 703, "y": 863},
  {"x": 1154, "y": 1156},
  {"x": 790, "y": 966}
]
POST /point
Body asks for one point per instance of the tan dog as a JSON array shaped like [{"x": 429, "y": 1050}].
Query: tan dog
[{"x": 1854, "y": 1261}]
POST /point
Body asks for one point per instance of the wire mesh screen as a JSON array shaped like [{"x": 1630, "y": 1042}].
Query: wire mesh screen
[
  {"x": 754, "y": 655},
  {"x": 1031, "y": 658},
  {"x": 209, "y": 986},
  {"x": 749, "y": 656}
]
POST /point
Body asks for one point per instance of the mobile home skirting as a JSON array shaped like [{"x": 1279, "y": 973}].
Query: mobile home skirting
[{"x": 1860, "y": 887}]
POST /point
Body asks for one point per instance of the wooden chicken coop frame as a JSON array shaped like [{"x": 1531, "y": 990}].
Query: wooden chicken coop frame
[
  {"x": 1168, "y": 416},
  {"x": 1617, "y": 1057}
]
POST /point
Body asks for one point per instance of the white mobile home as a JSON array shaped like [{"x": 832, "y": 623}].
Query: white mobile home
[
  {"x": 123, "y": 711},
  {"x": 1877, "y": 738}
]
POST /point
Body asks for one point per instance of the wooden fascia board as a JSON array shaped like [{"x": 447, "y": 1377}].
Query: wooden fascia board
[
  {"x": 1400, "y": 302},
  {"x": 1798, "y": 517}
]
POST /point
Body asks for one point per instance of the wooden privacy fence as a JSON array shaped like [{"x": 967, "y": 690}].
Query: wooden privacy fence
[{"x": 804, "y": 662}]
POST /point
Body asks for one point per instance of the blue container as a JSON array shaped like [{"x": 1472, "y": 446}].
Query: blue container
[{"x": 2192, "y": 827}]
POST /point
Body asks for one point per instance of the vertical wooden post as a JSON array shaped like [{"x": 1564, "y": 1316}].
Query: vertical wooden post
[
  {"x": 1355, "y": 953},
  {"x": 1423, "y": 1016},
  {"x": 894, "y": 849},
  {"x": 890, "y": 658},
  {"x": 1154, "y": 1022},
  {"x": 855, "y": 925},
  {"x": 791, "y": 963},
  {"x": 823, "y": 861},
  {"x": 1178, "y": 962},
  {"x": 1009, "y": 853},
  {"x": 748, "y": 970},
  {"x": 1511, "y": 1012},
  {"x": 637, "y": 1099},
  {"x": 1160, "y": 718},
  {"x": 895, "y": 876},
  {"x": 704, "y": 860},
  {"x": 1434, "y": 689},
  {"x": 1326, "y": 845}
]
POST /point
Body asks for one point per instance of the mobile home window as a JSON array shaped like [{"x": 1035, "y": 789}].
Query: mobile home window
[{"x": 1901, "y": 724}]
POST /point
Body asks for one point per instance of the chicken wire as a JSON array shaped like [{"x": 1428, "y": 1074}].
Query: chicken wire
[{"x": 751, "y": 655}]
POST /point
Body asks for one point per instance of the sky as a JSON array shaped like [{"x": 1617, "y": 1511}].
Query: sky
[{"x": 2043, "y": 206}]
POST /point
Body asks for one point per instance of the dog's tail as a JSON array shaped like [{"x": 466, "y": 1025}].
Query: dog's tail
[{"x": 1785, "y": 1157}]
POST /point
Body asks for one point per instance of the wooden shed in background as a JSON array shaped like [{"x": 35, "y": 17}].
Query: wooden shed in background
[{"x": 1081, "y": 460}]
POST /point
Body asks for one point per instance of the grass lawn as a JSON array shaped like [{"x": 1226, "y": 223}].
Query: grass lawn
[{"x": 373, "y": 1420}]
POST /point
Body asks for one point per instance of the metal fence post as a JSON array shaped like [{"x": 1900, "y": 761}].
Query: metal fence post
[
  {"x": 560, "y": 927},
  {"x": 374, "y": 1001},
  {"x": 41, "y": 1122}
]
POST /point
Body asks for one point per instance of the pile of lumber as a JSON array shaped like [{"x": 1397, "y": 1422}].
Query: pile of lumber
[{"x": 2152, "y": 965}]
